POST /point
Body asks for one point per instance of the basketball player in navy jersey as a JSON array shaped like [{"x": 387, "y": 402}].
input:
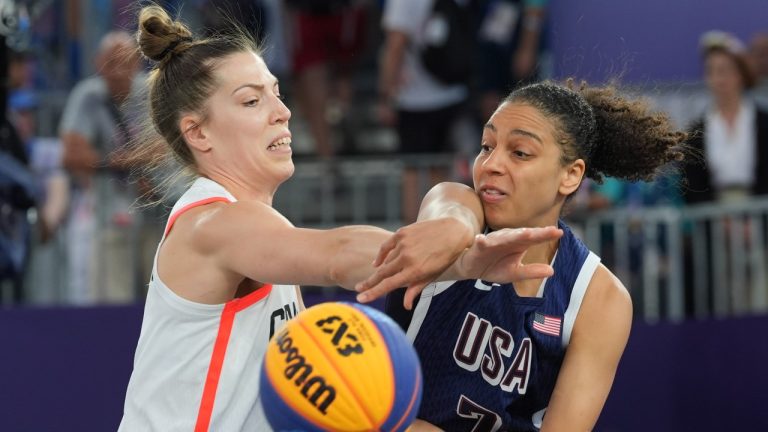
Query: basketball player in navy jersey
[{"x": 536, "y": 354}]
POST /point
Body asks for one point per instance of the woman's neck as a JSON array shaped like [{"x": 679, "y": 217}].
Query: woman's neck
[
  {"x": 541, "y": 253},
  {"x": 728, "y": 108},
  {"x": 240, "y": 189}
]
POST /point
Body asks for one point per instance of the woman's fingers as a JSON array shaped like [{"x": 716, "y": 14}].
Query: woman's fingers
[
  {"x": 521, "y": 238},
  {"x": 391, "y": 265},
  {"x": 412, "y": 292},
  {"x": 534, "y": 271},
  {"x": 384, "y": 250},
  {"x": 385, "y": 285}
]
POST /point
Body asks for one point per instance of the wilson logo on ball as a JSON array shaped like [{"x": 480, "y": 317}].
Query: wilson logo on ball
[
  {"x": 296, "y": 362},
  {"x": 340, "y": 367}
]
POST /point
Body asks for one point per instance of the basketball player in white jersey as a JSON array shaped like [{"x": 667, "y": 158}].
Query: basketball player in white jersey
[{"x": 227, "y": 268}]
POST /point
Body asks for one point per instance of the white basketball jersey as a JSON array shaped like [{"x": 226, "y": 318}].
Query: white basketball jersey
[{"x": 197, "y": 365}]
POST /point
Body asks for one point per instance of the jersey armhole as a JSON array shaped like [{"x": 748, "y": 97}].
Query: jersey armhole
[{"x": 577, "y": 295}]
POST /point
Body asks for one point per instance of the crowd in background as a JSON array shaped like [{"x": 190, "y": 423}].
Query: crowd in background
[{"x": 347, "y": 67}]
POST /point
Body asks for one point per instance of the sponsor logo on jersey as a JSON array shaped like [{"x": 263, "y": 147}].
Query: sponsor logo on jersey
[{"x": 280, "y": 316}]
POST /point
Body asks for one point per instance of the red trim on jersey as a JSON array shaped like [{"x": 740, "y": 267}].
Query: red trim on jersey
[
  {"x": 176, "y": 215},
  {"x": 231, "y": 308}
]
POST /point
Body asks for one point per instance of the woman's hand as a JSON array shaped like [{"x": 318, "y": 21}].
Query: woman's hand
[
  {"x": 498, "y": 256},
  {"x": 413, "y": 257}
]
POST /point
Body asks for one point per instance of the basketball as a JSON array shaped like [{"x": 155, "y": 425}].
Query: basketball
[{"x": 340, "y": 367}]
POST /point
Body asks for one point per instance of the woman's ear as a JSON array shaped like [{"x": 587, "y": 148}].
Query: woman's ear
[
  {"x": 193, "y": 132},
  {"x": 572, "y": 177}
]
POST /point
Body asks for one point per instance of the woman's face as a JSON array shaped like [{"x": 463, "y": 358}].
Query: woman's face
[
  {"x": 518, "y": 174},
  {"x": 722, "y": 76},
  {"x": 247, "y": 123}
]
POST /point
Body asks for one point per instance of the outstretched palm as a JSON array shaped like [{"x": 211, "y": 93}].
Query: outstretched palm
[{"x": 498, "y": 256}]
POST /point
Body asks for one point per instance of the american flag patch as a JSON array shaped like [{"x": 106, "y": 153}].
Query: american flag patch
[{"x": 547, "y": 324}]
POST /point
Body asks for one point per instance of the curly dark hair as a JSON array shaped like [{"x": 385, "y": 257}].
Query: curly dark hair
[{"x": 615, "y": 136}]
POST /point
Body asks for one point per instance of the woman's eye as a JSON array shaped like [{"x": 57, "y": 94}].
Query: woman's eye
[
  {"x": 251, "y": 102},
  {"x": 521, "y": 154},
  {"x": 485, "y": 148}
]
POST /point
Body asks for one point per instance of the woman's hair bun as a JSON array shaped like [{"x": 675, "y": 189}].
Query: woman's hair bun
[{"x": 159, "y": 36}]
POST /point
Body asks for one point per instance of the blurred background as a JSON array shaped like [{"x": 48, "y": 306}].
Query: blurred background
[{"x": 76, "y": 243}]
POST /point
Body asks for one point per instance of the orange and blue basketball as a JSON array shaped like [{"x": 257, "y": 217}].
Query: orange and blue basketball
[{"x": 340, "y": 367}]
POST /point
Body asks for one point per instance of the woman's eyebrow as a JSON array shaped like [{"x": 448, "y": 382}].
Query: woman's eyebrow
[
  {"x": 526, "y": 134},
  {"x": 251, "y": 85}
]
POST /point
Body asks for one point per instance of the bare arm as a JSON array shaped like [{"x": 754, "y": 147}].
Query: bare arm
[
  {"x": 598, "y": 339},
  {"x": 451, "y": 213},
  {"x": 390, "y": 75},
  {"x": 422, "y": 426},
  {"x": 214, "y": 248},
  {"x": 79, "y": 156},
  {"x": 341, "y": 256},
  {"x": 526, "y": 55}
]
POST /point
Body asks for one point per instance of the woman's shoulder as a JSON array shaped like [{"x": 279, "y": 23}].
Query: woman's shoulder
[
  {"x": 606, "y": 311},
  {"x": 607, "y": 292},
  {"x": 219, "y": 220}
]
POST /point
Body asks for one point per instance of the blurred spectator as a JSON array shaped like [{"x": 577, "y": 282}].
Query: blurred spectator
[
  {"x": 328, "y": 42},
  {"x": 758, "y": 50},
  {"x": 733, "y": 135},
  {"x": 18, "y": 188},
  {"x": 509, "y": 48},
  {"x": 45, "y": 270},
  {"x": 94, "y": 131},
  {"x": 45, "y": 161},
  {"x": 217, "y": 16},
  {"x": 421, "y": 106}
]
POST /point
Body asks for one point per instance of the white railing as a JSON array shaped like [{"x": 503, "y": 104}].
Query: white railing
[
  {"x": 359, "y": 190},
  {"x": 705, "y": 260},
  {"x": 708, "y": 260}
]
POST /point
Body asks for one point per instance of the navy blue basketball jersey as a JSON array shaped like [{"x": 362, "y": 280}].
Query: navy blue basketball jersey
[{"x": 490, "y": 358}]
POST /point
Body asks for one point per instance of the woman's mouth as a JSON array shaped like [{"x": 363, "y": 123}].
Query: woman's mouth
[
  {"x": 280, "y": 144},
  {"x": 491, "y": 195}
]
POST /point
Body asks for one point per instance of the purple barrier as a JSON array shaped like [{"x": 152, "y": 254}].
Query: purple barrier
[
  {"x": 643, "y": 41},
  {"x": 67, "y": 370},
  {"x": 694, "y": 376}
]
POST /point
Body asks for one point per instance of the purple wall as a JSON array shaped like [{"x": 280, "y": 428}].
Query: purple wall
[
  {"x": 643, "y": 41},
  {"x": 67, "y": 370},
  {"x": 695, "y": 376}
]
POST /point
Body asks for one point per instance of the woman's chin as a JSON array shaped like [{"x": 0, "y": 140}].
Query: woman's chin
[{"x": 286, "y": 172}]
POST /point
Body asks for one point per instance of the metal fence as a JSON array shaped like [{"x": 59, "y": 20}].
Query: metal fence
[
  {"x": 706, "y": 260},
  {"x": 703, "y": 260},
  {"x": 356, "y": 190}
]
